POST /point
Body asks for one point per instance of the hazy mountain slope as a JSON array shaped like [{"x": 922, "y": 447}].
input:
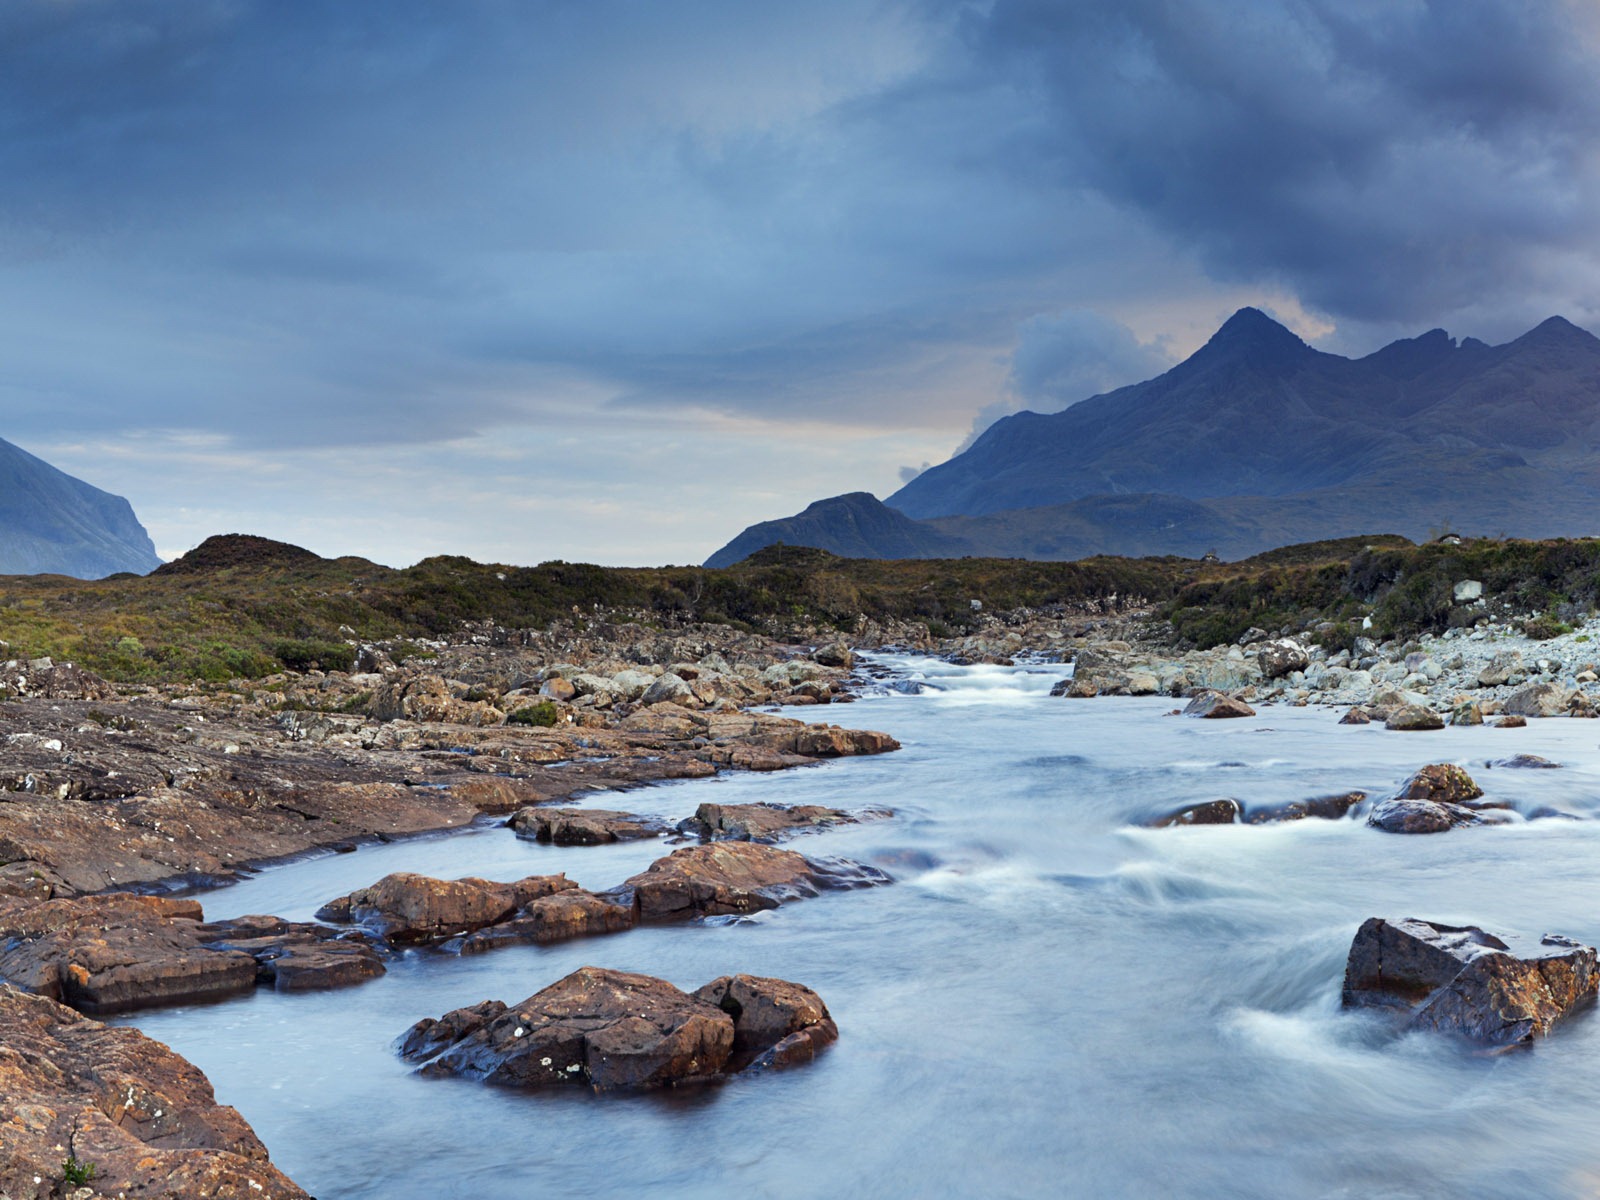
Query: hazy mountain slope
[
  {"x": 856, "y": 525},
  {"x": 1258, "y": 440},
  {"x": 53, "y": 523}
]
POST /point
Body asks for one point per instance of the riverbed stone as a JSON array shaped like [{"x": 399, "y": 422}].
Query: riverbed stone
[
  {"x": 775, "y": 1023},
  {"x": 1413, "y": 717},
  {"x": 405, "y": 908},
  {"x": 1420, "y": 816},
  {"x": 1209, "y": 812},
  {"x": 1462, "y": 980},
  {"x": 1216, "y": 705},
  {"x": 1543, "y": 699},
  {"x": 762, "y": 822},
  {"x": 1525, "y": 762},
  {"x": 584, "y": 826},
  {"x": 1323, "y": 808},
  {"x": 1281, "y": 657},
  {"x": 729, "y": 878},
  {"x": 1505, "y": 667}
]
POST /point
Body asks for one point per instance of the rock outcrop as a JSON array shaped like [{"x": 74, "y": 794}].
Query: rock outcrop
[
  {"x": 111, "y": 1099},
  {"x": 610, "y": 1030},
  {"x": 729, "y": 878},
  {"x": 1464, "y": 981},
  {"x": 1216, "y": 705},
  {"x": 764, "y": 822},
  {"x": 585, "y": 826}
]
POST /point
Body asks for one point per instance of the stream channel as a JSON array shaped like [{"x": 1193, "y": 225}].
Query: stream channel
[{"x": 1048, "y": 1001}]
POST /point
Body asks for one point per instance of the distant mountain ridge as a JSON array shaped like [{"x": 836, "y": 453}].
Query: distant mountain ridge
[
  {"x": 51, "y": 523},
  {"x": 1258, "y": 439}
]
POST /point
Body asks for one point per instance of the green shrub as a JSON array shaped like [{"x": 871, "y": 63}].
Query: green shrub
[
  {"x": 1544, "y": 627},
  {"x": 543, "y": 713},
  {"x": 309, "y": 655}
]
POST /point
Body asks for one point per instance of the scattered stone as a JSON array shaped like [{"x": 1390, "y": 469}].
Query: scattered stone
[
  {"x": 146, "y": 1118},
  {"x": 1464, "y": 981},
  {"x": 1413, "y": 717},
  {"x": 763, "y": 822},
  {"x": 1217, "y": 705},
  {"x": 1324, "y": 808},
  {"x": 1282, "y": 657},
  {"x": 584, "y": 826},
  {"x": 1466, "y": 714},
  {"x": 836, "y": 655},
  {"x": 726, "y": 878},
  {"x": 1524, "y": 761},
  {"x": 1076, "y": 689},
  {"x": 1505, "y": 667},
  {"x": 1543, "y": 699},
  {"x": 1211, "y": 812},
  {"x": 610, "y": 1030},
  {"x": 409, "y": 909}
]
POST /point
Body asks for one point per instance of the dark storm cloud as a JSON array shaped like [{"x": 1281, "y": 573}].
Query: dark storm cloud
[
  {"x": 1386, "y": 161},
  {"x": 310, "y": 224}
]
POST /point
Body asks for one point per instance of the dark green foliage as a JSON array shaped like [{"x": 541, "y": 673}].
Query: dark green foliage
[
  {"x": 309, "y": 654},
  {"x": 543, "y": 713},
  {"x": 76, "y": 1173},
  {"x": 1544, "y": 627}
]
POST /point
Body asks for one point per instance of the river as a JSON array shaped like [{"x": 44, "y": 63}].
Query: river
[{"x": 1049, "y": 1000}]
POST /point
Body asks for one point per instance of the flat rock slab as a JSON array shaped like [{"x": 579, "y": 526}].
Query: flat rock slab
[
  {"x": 585, "y": 826},
  {"x": 728, "y": 878},
  {"x": 1215, "y": 705},
  {"x": 144, "y": 1117},
  {"x": 766, "y": 822},
  {"x": 609, "y": 1030},
  {"x": 1428, "y": 816},
  {"x": 1462, "y": 980},
  {"x": 112, "y": 953},
  {"x": 1208, "y": 812},
  {"x": 1321, "y": 808},
  {"x": 1531, "y": 762}
]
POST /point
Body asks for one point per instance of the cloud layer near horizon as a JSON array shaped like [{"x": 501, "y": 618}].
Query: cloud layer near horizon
[{"x": 714, "y": 260}]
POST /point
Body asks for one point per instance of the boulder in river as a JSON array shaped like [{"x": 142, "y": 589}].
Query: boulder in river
[
  {"x": 1322, "y": 808},
  {"x": 1216, "y": 705},
  {"x": 1524, "y": 762},
  {"x": 1209, "y": 812},
  {"x": 584, "y": 826},
  {"x": 407, "y": 909},
  {"x": 608, "y": 1029},
  {"x": 1420, "y": 816},
  {"x": 1543, "y": 699},
  {"x": 1441, "y": 782},
  {"x": 1356, "y": 716},
  {"x": 1411, "y": 717},
  {"x": 1459, "y": 979},
  {"x": 727, "y": 878},
  {"x": 97, "y": 1095},
  {"x": 762, "y": 822}
]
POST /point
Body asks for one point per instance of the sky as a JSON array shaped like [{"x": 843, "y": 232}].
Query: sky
[{"x": 608, "y": 280}]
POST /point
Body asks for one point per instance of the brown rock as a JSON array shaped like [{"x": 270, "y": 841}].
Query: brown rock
[
  {"x": 1513, "y": 721},
  {"x": 1211, "y": 812},
  {"x": 775, "y": 1023},
  {"x": 406, "y": 908},
  {"x": 1412, "y": 717},
  {"x": 829, "y": 741},
  {"x": 1324, "y": 808},
  {"x": 1216, "y": 705},
  {"x": 1440, "y": 782},
  {"x": 556, "y": 918},
  {"x": 145, "y": 1118},
  {"x": 585, "y": 826},
  {"x": 598, "y": 1028},
  {"x": 1462, "y": 980},
  {"x": 763, "y": 822},
  {"x": 1420, "y": 816},
  {"x": 1356, "y": 716},
  {"x": 726, "y": 878},
  {"x": 1524, "y": 762}
]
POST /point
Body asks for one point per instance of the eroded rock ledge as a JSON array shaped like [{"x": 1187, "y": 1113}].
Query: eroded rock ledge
[{"x": 145, "y": 1119}]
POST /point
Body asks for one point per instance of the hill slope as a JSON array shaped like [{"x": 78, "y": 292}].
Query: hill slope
[{"x": 53, "y": 523}]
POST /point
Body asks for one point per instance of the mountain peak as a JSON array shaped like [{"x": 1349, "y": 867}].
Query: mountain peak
[
  {"x": 1254, "y": 337},
  {"x": 1557, "y": 331}
]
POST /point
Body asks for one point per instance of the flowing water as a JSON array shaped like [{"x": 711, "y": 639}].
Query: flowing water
[{"x": 1049, "y": 1001}]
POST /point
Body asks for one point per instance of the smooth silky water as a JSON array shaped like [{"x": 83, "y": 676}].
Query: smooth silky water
[{"x": 1049, "y": 1001}]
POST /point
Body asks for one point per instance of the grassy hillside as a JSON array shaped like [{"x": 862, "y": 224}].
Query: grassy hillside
[{"x": 240, "y": 606}]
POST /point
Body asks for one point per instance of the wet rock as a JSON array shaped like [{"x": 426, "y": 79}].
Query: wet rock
[
  {"x": 1211, "y": 812},
  {"x": 1356, "y": 716},
  {"x": 830, "y": 741},
  {"x": 726, "y": 878},
  {"x": 762, "y": 822},
  {"x": 144, "y": 1117},
  {"x": 572, "y": 913},
  {"x": 1215, "y": 705},
  {"x": 104, "y": 954},
  {"x": 585, "y": 826},
  {"x": 1513, "y": 721},
  {"x": 1464, "y": 981},
  {"x": 293, "y": 956},
  {"x": 595, "y": 1028},
  {"x": 1322, "y": 808},
  {"x": 1420, "y": 816},
  {"x": 1076, "y": 689},
  {"x": 1538, "y": 700},
  {"x": 1524, "y": 762},
  {"x": 836, "y": 655},
  {"x": 1466, "y": 714},
  {"x": 1410, "y": 717},
  {"x": 616, "y": 1030},
  {"x": 1441, "y": 782},
  {"x": 775, "y": 1023},
  {"x": 409, "y": 909}
]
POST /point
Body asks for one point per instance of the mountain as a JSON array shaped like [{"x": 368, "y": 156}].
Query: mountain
[
  {"x": 51, "y": 523},
  {"x": 1258, "y": 439},
  {"x": 857, "y": 525}
]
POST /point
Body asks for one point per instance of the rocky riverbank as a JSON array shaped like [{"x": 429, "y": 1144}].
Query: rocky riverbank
[{"x": 107, "y": 790}]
